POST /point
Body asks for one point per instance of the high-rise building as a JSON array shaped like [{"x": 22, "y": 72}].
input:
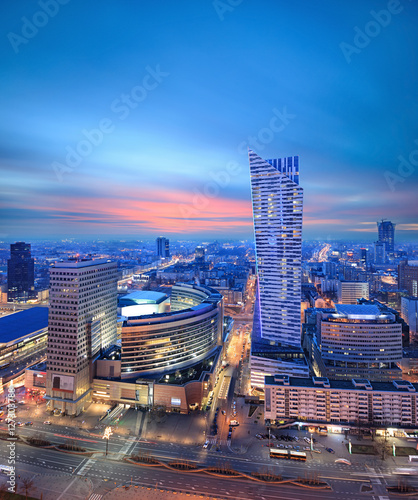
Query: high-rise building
[
  {"x": 163, "y": 247},
  {"x": 408, "y": 277},
  {"x": 20, "y": 273},
  {"x": 277, "y": 209},
  {"x": 82, "y": 323},
  {"x": 363, "y": 257},
  {"x": 386, "y": 231},
  {"x": 350, "y": 291},
  {"x": 277, "y": 202},
  {"x": 199, "y": 254},
  {"x": 409, "y": 313},
  {"x": 379, "y": 252}
]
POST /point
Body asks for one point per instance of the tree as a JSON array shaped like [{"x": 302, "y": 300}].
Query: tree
[{"x": 27, "y": 485}]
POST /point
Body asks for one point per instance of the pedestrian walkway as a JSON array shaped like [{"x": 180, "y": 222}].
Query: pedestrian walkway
[{"x": 154, "y": 493}]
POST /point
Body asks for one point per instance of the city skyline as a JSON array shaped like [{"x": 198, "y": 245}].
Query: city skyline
[{"x": 121, "y": 128}]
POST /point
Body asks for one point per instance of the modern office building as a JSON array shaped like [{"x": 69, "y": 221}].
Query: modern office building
[
  {"x": 359, "y": 341},
  {"x": 164, "y": 342},
  {"x": 363, "y": 258},
  {"x": 20, "y": 273},
  {"x": 386, "y": 232},
  {"x": 355, "y": 402},
  {"x": 82, "y": 323},
  {"x": 349, "y": 291},
  {"x": 379, "y": 252},
  {"x": 163, "y": 247},
  {"x": 409, "y": 313},
  {"x": 408, "y": 277},
  {"x": 277, "y": 201},
  {"x": 199, "y": 254}
]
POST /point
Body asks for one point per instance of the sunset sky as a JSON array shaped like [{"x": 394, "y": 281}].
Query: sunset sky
[{"x": 134, "y": 118}]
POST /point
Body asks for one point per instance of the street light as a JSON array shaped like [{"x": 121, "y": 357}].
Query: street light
[
  {"x": 349, "y": 446},
  {"x": 107, "y": 433},
  {"x": 311, "y": 442}
]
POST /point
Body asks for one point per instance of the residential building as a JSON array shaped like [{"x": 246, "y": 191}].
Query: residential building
[
  {"x": 277, "y": 201},
  {"x": 355, "y": 402}
]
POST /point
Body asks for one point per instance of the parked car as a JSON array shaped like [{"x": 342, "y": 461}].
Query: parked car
[
  {"x": 47, "y": 422},
  {"x": 205, "y": 445},
  {"x": 330, "y": 450}
]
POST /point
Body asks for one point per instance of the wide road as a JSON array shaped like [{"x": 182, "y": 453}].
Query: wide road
[
  {"x": 117, "y": 473},
  {"x": 345, "y": 480}
]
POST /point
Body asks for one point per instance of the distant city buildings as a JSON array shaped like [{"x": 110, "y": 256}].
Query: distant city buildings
[
  {"x": 380, "y": 252},
  {"x": 20, "y": 273},
  {"x": 386, "y": 233},
  {"x": 82, "y": 323},
  {"x": 163, "y": 247},
  {"x": 408, "y": 277},
  {"x": 349, "y": 291},
  {"x": 199, "y": 255}
]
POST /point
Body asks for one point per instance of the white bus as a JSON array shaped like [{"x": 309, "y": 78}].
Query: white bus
[
  {"x": 413, "y": 458},
  {"x": 6, "y": 469}
]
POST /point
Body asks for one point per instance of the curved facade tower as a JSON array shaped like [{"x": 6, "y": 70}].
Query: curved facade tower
[{"x": 277, "y": 201}]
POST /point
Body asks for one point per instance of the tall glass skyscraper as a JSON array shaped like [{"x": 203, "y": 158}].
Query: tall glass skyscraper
[
  {"x": 386, "y": 230},
  {"x": 277, "y": 209},
  {"x": 20, "y": 273}
]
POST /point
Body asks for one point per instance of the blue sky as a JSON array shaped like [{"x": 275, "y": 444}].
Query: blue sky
[{"x": 180, "y": 89}]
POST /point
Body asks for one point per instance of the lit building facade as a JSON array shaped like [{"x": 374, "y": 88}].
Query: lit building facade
[
  {"x": 354, "y": 402},
  {"x": 82, "y": 323},
  {"x": 360, "y": 341},
  {"x": 349, "y": 291},
  {"x": 277, "y": 202},
  {"x": 169, "y": 341}
]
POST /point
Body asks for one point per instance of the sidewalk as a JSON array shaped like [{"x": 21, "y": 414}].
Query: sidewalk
[
  {"x": 148, "y": 493},
  {"x": 52, "y": 486}
]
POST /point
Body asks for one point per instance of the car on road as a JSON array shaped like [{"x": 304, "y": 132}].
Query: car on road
[
  {"x": 205, "y": 445},
  {"x": 307, "y": 440},
  {"x": 259, "y": 436},
  {"x": 234, "y": 423},
  {"x": 20, "y": 424},
  {"x": 47, "y": 422},
  {"x": 28, "y": 423},
  {"x": 329, "y": 450}
]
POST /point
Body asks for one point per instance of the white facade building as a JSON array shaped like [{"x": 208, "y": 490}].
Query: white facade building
[
  {"x": 277, "y": 202},
  {"x": 357, "y": 401}
]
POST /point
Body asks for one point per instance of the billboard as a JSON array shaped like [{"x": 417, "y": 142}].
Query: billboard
[{"x": 62, "y": 383}]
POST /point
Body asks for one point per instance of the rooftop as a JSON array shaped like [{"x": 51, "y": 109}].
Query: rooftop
[
  {"x": 395, "y": 386},
  {"x": 22, "y": 323},
  {"x": 358, "y": 311},
  {"x": 73, "y": 263},
  {"x": 142, "y": 297}
]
